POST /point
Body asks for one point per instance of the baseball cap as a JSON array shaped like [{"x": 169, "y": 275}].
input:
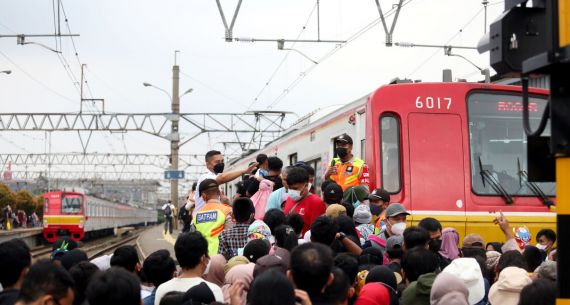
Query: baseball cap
[
  {"x": 394, "y": 242},
  {"x": 362, "y": 214},
  {"x": 379, "y": 194},
  {"x": 473, "y": 241},
  {"x": 332, "y": 193},
  {"x": 207, "y": 185},
  {"x": 344, "y": 138},
  {"x": 395, "y": 209}
]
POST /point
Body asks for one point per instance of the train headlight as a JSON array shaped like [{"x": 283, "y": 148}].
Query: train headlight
[
  {"x": 45, "y": 223},
  {"x": 81, "y": 223}
]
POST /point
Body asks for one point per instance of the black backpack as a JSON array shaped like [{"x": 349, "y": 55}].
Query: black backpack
[{"x": 168, "y": 211}]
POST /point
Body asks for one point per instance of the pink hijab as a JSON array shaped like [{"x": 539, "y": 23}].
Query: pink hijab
[
  {"x": 261, "y": 197},
  {"x": 243, "y": 273},
  {"x": 449, "y": 243},
  {"x": 216, "y": 273}
]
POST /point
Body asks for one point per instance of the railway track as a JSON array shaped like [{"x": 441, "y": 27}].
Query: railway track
[{"x": 94, "y": 248}]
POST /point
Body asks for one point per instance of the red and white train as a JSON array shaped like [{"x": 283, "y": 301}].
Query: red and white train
[
  {"x": 79, "y": 216},
  {"x": 454, "y": 151}
]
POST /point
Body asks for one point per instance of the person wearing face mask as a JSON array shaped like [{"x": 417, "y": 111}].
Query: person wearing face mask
[
  {"x": 545, "y": 241},
  {"x": 433, "y": 226},
  {"x": 191, "y": 250},
  {"x": 347, "y": 170},
  {"x": 396, "y": 215},
  {"x": 211, "y": 219},
  {"x": 215, "y": 166},
  {"x": 379, "y": 200},
  {"x": 300, "y": 200}
]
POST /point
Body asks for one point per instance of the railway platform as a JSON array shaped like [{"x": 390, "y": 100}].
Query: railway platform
[
  {"x": 31, "y": 236},
  {"x": 154, "y": 239}
]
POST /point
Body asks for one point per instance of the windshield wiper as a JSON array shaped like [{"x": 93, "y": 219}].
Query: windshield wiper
[
  {"x": 494, "y": 183},
  {"x": 523, "y": 175}
]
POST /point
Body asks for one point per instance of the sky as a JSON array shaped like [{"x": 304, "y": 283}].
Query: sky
[{"x": 125, "y": 43}]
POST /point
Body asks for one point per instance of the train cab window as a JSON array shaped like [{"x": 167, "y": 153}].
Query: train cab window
[
  {"x": 498, "y": 143},
  {"x": 316, "y": 165},
  {"x": 71, "y": 204},
  {"x": 390, "y": 153}
]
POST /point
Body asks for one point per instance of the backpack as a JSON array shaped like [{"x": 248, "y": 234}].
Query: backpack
[
  {"x": 183, "y": 213},
  {"x": 168, "y": 211}
]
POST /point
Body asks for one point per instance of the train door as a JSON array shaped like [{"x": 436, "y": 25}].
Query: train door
[{"x": 436, "y": 168}]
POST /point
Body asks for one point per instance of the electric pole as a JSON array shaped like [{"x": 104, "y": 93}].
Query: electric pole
[{"x": 174, "y": 135}]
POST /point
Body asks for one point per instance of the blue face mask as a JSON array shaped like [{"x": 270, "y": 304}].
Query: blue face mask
[
  {"x": 356, "y": 203},
  {"x": 263, "y": 173}
]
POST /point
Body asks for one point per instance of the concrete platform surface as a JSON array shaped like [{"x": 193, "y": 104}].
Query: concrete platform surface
[
  {"x": 32, "y": 236},
  {"x": 154, "y": 239}
]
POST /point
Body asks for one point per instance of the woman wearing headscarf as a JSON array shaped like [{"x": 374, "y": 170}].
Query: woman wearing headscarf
[
  {"x": 376, "y": 294},
  {"x": 448, "y": 289},
  {"x": 216, "y": 273},
  {"x": 240, "y": 273},
  {"x": 449, "y": 243}
]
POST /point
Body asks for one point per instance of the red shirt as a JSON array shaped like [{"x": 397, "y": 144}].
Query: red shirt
[{"x": 309, "y": 207}]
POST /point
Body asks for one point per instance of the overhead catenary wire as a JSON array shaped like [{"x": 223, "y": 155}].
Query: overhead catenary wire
[{"x": 352, "y": 38}]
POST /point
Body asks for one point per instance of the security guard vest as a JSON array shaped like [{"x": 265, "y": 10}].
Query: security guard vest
[
  {"x": 209, "y": 221},
  {"x": 350, "y": 173}
]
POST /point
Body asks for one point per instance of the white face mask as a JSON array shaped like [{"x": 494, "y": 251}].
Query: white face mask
[
  {"x": 309, "y": 186},
  {"x": 294, "y": 194},
  {"x": 541, "y": 246},
  {"x": 398, "y": 228},
  {"x": 208, "y": 267}
]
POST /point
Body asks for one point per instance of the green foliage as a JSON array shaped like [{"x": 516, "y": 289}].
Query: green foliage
[
  {"x": 22, "y": 199},
  {"x": 6, "y": 196}
]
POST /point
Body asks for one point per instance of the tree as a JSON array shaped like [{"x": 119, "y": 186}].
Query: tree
[
  {"x": 6, "y": 196},
  {"x": 25, "y": 201}
]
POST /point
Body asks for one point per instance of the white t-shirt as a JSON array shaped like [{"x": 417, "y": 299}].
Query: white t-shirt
[
  {"x": 198, "y": 201},
  {"x": 172, "y": 208},
  {"x": 182, "y": 285}
]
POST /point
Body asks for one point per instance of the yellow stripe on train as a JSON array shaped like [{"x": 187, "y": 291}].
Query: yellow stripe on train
[{"x": 63, "y": 220}]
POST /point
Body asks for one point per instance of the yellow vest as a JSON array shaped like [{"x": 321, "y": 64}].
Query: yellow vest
[
  {"x": 210, "y": 221},
  {"x": 348, "y": 173}
]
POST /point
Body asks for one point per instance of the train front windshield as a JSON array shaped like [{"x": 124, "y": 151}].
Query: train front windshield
[
  {"x": 498, "y": 144},
  {"x": 71, "y": 204}
]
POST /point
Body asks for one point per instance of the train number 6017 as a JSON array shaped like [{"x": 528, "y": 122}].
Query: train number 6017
[{"x": 433, "y": 103}]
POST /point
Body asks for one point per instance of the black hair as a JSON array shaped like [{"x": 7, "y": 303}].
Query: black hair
[
  {"x": 114, "y": 286},
  {"x": 349, "y": 208},
  {"x": 255, "y": 249},
  {"x": 349, "y": 264},
  {"x": 346, "y": 225},
  {"x": 285, "y": 237},
  {"x": 189, "y": 249},
  {"x": 14, "y": 258},
  {"x": 260, "y": 158},
  {"x": 533, "y": 257},
  {"x": 159, "y": 267},
  {"x": 430, "y": 224},
  {"x": 297, "y": 175},
  {"x": 496, "y": 246},
  {"x": 474, "y": 252},
  {"x": 337, "y": 291},
  {"x": 172, "y": 298},
  {"x": 271, "y": 288},
  {"x": 296, "y": 222},
  {"x": 323, "y": 230},
  {"x": 415, "y": 237},
  {"x": 395, "y": 252},
  {"x": 311, "y": 265},
  {"x": 194, "y": 186},
  {"x": 310, "y": 170},
  {"x": 418, "y": 261},
  {"x": 274, "y": 218},
  {"x": 539, "y": 292},
  {"x": 548, "y": 233},
  {"x": 212, "y": 153},
  {"x": 511, "y": 258},
  {"x": 207, "y": 185},
  {"x": 242, "y": 209},
  {"x": 274, "y": 164},
  {"x": 46, "y": 278},
  {"x": 241, "y": 189},
  {"x": 82, "y": 273},
  {"x": 371, "y": 256},
  {"x": 126, "y": 257}
]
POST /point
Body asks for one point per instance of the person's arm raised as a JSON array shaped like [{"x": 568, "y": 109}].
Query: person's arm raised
[{"x": 231, "y": 175}]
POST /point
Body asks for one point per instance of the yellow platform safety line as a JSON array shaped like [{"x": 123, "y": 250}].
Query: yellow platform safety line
[
  {"x": 564, "y": 22},
  {"x": 168, "y": 238}
]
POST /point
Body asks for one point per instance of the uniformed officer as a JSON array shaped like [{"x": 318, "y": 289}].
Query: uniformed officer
[{"x": 346, "y": 169}]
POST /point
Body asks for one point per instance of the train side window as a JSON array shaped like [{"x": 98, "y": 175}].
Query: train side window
[
  {"x": 293, "y": 159},
  {"x": 46, "y": 205},
  {"x": 390, "y": 153}
]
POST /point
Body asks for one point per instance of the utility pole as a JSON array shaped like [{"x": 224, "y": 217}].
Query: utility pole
[{"x": 174, "y": 135}]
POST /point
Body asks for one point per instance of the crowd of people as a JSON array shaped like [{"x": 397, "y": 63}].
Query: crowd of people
[
  {"x": 278, "y": 243},
  {"x": 19, "y": 219}
]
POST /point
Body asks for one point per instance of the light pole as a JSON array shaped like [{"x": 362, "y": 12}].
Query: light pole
[
  {"x": 174, "y": 135},
  {"x": 6, "y": 71}
]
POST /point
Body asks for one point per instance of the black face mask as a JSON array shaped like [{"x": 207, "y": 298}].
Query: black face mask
[
  {"x": 375, "y": 210},
  {"x": 341, "y": 152},
  {"x": 434, "y": 245},
  {"x": 219, "y": 168}
]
